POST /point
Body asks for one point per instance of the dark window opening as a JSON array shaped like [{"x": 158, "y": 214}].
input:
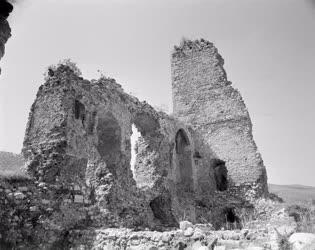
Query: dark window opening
[
  {"x": 109, "y": 141},
  {"x": 232, "y": 221},
  {"x": 79, "y": 111},
  {"x": 230, "y": 215},
  {"x": 184, "y": 157},
  {"x": 182, "y": 142},
  {"x": 220, "y": 175},
  {"x": 197, "y": 155},
  {"x": 91, "y": 122}
]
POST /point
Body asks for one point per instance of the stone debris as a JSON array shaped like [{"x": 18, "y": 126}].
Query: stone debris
[
  {"x": 189, "y": 232},
  {"x": 183, "y": 225},
  {"x": 302, "y": 240}
]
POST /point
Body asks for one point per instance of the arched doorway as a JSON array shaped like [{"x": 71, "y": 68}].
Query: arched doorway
[
  {"x": 109, "y": 141},
  {"x": 184, "y": 159}
]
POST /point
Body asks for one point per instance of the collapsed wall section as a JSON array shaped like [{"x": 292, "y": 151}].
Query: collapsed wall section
[{"x": 205, "y": 99}]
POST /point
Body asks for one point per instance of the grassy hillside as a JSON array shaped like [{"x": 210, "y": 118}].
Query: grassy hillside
[
  {"x": 11, "y": 164},
  {"x": 293, "y": 194}
]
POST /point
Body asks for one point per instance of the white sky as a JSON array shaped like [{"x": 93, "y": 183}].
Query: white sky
[{"x": 268, "y": 47}]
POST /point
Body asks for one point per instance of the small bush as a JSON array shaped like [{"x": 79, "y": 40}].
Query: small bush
[
  {"x": 304, "y": 217},
  {"x": 283, "y": 242},
  {"x": 67, "y": 62}
]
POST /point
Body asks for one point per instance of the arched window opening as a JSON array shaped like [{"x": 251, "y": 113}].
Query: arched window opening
[
  {"x": 109, "y": 140},
  {"x": 79, "y": 111},
  {"x": 220, "y": 174},
  {"x": 184, "y": 157},
  {"x": 182, "y": 142}
]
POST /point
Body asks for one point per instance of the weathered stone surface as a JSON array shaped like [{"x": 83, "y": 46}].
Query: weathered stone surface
[
  {"x": 205, "y": 99},
  {"x": 220, "y": 248},
  {"x": 183, "y": 225},
  {"x": 202, "y": 166},
  {"x": 77, "y": 143},
  {"x": 203, "y": 248},
  {"x": 301, "y": 240},
  {"x": 189, "y": 232}
]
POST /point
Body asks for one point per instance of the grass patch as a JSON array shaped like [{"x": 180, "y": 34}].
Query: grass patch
[
  {"x": 304, "y": 215},
  {"x": 13, "y": 176}
]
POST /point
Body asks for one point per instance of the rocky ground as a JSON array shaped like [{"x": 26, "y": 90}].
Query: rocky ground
[
  {"x": 270, "y": 228},
  {"x": 270, "y": 225}
]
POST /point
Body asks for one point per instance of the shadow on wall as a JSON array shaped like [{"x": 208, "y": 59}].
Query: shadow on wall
[
  {"x": 183, "y": 152},
  {"x": 220, "y": 174},
  {"x": 109, "y": 135},
  {"x": 162, "y": 211}
]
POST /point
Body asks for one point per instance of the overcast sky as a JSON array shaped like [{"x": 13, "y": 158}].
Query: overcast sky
[{"x": 268, "y": 47}]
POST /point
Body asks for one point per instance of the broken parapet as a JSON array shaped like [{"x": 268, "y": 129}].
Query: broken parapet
[{"x": 205, "y": 99}]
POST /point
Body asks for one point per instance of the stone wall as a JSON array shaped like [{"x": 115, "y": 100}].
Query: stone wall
[
  {"x": 31, "y": 219},
  {"x": 78, "y": 138},
  {"x": 205, "y": 99},
  {"x": 200, "y": 165}
]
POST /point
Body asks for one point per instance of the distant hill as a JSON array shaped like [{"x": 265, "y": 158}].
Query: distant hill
[
  {"x": 10, "y": 163},
  {"x": 293, "y": 193}
]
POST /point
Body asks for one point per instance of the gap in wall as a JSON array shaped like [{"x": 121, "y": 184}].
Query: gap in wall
[{"x": 133, "y": 140}]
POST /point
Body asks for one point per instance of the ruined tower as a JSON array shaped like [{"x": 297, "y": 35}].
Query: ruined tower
[{"x": 205, "y": 99}]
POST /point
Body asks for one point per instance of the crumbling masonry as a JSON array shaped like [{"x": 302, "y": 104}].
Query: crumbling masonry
[
  {"x": 78, "y": 141},
  {"x": 199, "y": 164}
]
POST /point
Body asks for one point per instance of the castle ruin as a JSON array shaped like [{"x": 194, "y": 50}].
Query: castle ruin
[
  {"x": 78, "y": 138},
  {"x": 197, "y": 164}
]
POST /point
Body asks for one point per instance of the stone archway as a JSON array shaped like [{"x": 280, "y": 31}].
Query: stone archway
[
  {"x": 109, "y": 141},
  {"x": 184, "y": 159}
]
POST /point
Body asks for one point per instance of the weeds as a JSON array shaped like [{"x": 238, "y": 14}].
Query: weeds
[
  {"x": 283, "y": 241},
  {"x": 304, "y": 216}
]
